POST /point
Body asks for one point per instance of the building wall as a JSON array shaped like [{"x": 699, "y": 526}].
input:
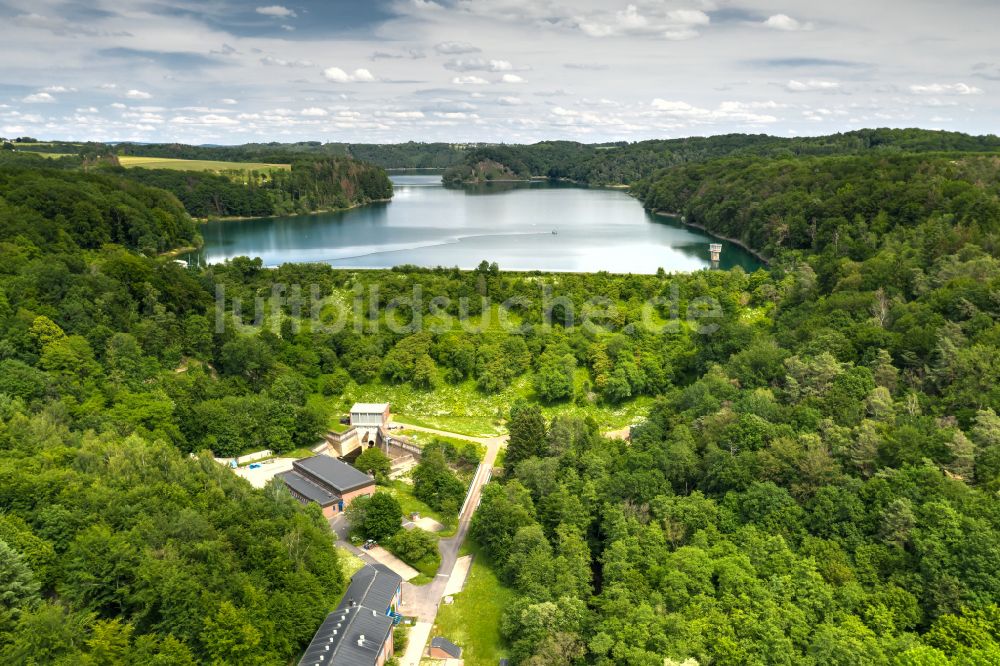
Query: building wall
[
  {"x": 343, "y": 443},
  {"x": 370, "y": 418},
  {"x": 360, "y": 492},
  {"x": 387, "y": 651},
  {"x": 438, "y": 653},
  {"x": 328, "y": 511}
]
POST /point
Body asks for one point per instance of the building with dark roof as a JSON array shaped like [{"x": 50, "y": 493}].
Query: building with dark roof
[
  {"x": 356, "y": 636},
  {"x": 359, "y": 632},
  {"x": 329, "y": 482},
  {"x": 374, "y": 586},
  {"x": 442, "y": 648}
]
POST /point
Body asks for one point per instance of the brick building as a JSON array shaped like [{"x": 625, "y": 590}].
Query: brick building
[
  {"x": 329, "y": 482},
  {"x": 360, "y": 631}
]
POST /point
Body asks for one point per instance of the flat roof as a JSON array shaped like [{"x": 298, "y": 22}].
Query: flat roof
[
  {"x": 334, "y": 473},
  {"x": 369, "y": 407},
  {"x": 372, "y": 586},
  {"x": 308, "y": 489},
  {"x": 338, "y": 640}
]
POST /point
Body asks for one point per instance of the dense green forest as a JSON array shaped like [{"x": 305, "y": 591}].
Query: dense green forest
[
  {"x": 115, "y": 547},
  {"x": 825, "y": 491},
  {"x": 841, "y": 206},
  {"x": 411, "y": 155},
  {"x": 61, "y": 211},
  {"x": 815, "y": 482},
  {"x": 625, "y": 163},
  {"x": 315, "y": 185}
]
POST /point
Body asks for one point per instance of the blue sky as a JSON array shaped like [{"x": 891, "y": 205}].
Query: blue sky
[{"x": 222, "y": 71}]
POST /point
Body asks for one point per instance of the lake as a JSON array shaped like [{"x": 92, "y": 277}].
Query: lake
[{"x": 521, "y": 226}]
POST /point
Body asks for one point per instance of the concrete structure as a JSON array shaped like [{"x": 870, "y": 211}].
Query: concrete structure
[
  {"x": 331, "y": 483},
  {"x": 359, "y": 632},
  {"x": 343, "y": 443},
  {"x": 254, "y": 457},
  {"x": 370, "y": 414},
  {"x": 715, "y": 249},
  {"x": 442, "y": 648},
  {"x": 368, "y": 428}
]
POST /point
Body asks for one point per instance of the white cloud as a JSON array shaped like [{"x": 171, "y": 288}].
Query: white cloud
[
  {"x": 727, "y": 111},
  {"x": 811, "y": 85},
  {"x": 403, "y": 115},
  {"x": 208, "y": 119},
  {"x": 280, "y": 62},
  {"x": 39, "y": 98},
  {"x": 337, "y": 75},
  {"x": 277, "y": 11},
  {"x": 426, "y": 4},
  {"x": 228, "y": 100},
  {"x": 138, "y": 94},
  {"x": 58, "y": 89},
  {"x": 108, "y": 86},
  {"x": 87, "y": 109},
  {"x": 786, "y": 23},
  {"x": 674, "y": 24},
  {"x": 455, "y": 48},
  {"x": 946, "y": 89},
  {"x": 511, "y": 78},
  {"x": 510, "y": 101},
  {"x": 315, "y": 111},
  {"x": 469, "y": 80},
  {"x": 118, "y": 105},
  {"x": 478, "y": 64}
]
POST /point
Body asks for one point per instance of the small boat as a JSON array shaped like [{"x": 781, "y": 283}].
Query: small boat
[{"x": 555, "y": 233}]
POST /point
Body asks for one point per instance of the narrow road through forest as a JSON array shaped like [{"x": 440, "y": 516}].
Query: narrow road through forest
[{"x": 422, "y": 601}]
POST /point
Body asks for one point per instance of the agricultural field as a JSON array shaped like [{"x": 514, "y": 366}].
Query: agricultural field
[
  {"x": 132, "y": 161},
  {"x": 51, "y": 156}
]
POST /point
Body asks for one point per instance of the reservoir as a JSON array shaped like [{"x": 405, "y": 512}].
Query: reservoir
[{"x": 521, "y": 226}]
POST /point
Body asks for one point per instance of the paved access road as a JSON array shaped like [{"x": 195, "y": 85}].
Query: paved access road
[{"x": 422, "y": 601}]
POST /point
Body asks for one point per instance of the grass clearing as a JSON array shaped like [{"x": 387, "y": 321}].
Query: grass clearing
[
  {"x": 132, "y": 161},
  {"x": 349, "y": 562},
  {"x": 464, "y": 409},
  {"x": 473, "y": 621},
  {"x": 403, "y": 492}
]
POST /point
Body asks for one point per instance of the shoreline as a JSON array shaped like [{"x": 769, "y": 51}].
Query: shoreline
[
  {"x": 546, "y": 179},
  {"x": 177, "y": 251},
  {"x": 735, "y": 241},
  {"x": 244, "y": 218}
]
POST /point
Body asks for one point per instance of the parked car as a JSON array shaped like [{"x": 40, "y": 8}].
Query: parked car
[
  {"x": 345, "y": 420},
  {"x": 371, "y": 543}
]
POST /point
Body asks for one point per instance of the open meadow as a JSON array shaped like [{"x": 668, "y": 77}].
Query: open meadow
[{"x": 132, "y": 161}]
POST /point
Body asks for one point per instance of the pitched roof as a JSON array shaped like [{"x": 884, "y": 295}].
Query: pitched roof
[
  {"x": 373, "y": 586},
  {"x": 369, "y": 407},
  {"x": 348, "y": 637},
  {"x": 449, "y": 648},
  {"x": 334, "y": 473},
  {"x": 308, "y": 489}
]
